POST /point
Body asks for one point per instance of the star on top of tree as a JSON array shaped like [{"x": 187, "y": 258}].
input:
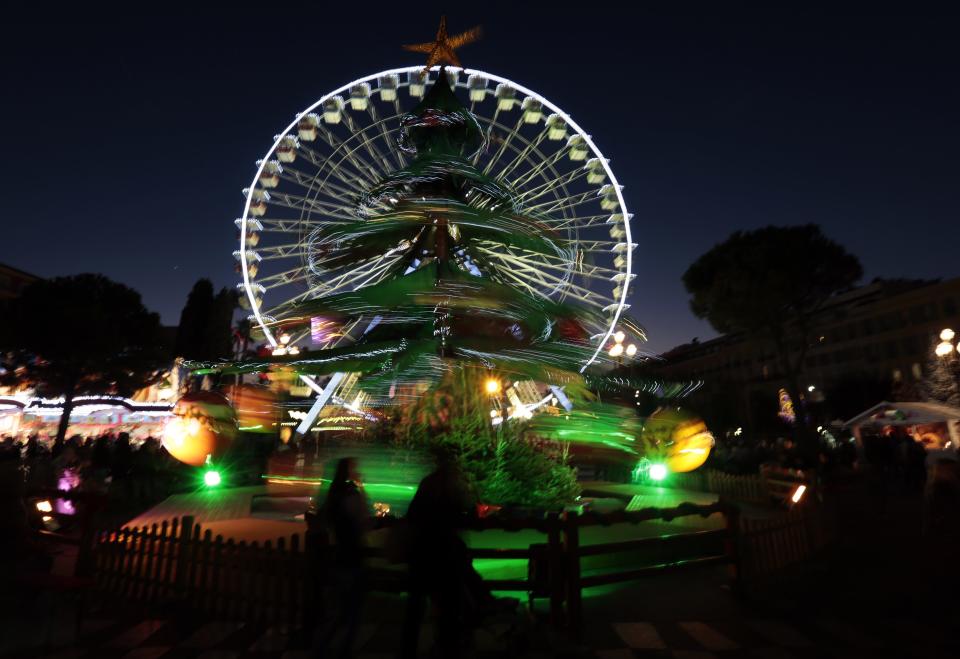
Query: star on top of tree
[{"x": 442, "y": 49}]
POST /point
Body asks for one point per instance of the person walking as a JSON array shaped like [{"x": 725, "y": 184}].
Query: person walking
[{"x": 346, "y": 514}]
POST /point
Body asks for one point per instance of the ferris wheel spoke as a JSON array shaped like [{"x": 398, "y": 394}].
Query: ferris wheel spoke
[
  {"x": 346, "y": 175},
  {"x": 292, "y": 276},
  {"x": 568, "y": 202},
  {"x": 343, "y": 147},
  {"x": 369, "y": 142},
  {"x": 300, "y": 203},
  {"x": 278, "y": 251},
  {"x": 546, "y": 163},
  {"x": 582, "y": 221},
  {"x": 518, "y": 266},
  {"x": 307, "y": 181},
  {"x": 523, "y": 155},
  {"x": 391, "y": 143},
  {"x": 503, "y": 146},
  {"x": 532, "y": 194}
]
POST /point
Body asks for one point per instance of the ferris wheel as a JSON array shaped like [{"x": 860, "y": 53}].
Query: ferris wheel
[{"x": 336, "y": 149}]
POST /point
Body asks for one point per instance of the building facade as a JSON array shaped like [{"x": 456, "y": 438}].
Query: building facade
[
  {"x": 871, "y": 341},
  {"x": 12, "y": 281}
]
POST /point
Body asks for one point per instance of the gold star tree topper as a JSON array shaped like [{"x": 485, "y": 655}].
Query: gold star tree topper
[{"x": 442, "y": 49}]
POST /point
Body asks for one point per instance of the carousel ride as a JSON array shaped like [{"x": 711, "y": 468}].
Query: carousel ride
[{"x": 423, "y": 220}]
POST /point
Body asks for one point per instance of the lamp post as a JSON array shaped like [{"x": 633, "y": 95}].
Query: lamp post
[{"x": 618, "y": 349}]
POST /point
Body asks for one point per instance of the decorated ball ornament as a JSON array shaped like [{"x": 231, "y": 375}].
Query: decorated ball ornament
[
  {"x": 676, "y": 439},
  {"x": 202, "y": 427}
]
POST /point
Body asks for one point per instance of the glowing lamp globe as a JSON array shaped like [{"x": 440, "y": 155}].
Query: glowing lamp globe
[
  {"x": 657, "y": 472},
  {"x": 203, "y": 425},
  {"x": 947, "y": 335},
  {"x": 677, "y": 440}
]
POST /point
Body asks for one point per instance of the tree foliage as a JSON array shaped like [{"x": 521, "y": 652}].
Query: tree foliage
[
  {"x": 205, "y": 323},
  {"x": 770, "y": 284},
  {"x": 83, "y": 334}
]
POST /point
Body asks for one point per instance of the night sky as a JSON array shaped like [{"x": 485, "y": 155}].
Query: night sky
[{"x": 126, "y": 139}]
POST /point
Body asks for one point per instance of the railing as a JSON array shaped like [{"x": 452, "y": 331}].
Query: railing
[
  {"x": 177, "y": 562},
  {"x": 771, "y": 483}
]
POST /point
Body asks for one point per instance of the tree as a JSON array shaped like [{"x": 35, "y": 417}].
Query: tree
[
  {"x": 83, "y": 334},
  {"x": 205, "y": 323},
  {"x": 940, "y": 381},
  {"x": 771, "y": 284}
]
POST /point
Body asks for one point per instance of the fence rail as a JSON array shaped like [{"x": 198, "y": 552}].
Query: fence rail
[{"x": 278, "y": 582}]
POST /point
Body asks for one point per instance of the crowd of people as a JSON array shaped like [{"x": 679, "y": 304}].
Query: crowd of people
[{"x": 131, "y": 473}]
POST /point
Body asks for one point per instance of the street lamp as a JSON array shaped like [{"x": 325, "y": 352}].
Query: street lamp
[
  {"x": 945, "y": 347},
  {"x": 618, "y": 349}
]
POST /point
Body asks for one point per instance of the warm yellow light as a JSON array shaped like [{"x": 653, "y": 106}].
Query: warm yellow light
[
  {"x": 798, "y": 493},
  {"x": 947, "y": 334},
  {"x": 284, "y": 339},
  {"x": 619, "y": 336},
  {"x": 44, "y": 506},
  {"x": 492, "y": 385},
  {"x": 494, "y": 414},
  {"x": 944, "y": 349},
  {"x": 631, "y": 350},
  {"x": 616, "y": 350}
]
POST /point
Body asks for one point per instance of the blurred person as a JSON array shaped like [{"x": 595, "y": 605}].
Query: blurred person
[
  {"x": 346, "y": 514},
  {"x": 440, "y": 565}
]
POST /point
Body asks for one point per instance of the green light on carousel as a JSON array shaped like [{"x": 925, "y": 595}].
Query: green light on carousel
[
  {"x": 657, "y": 472},
  {"x": 211, "y": 478}
]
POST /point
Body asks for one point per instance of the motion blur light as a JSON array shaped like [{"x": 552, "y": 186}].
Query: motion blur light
[
  {"x": 798, "y": 493},
  {"x": 631, "y": 350},
  {"x": 657, "y": 472},
  {"x": 44, "y": 506}
]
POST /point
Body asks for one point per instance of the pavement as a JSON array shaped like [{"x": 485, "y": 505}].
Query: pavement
[{"x": 880, "y": 592}]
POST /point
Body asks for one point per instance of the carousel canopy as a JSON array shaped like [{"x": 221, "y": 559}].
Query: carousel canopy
[{"x": 905, "y": 414}]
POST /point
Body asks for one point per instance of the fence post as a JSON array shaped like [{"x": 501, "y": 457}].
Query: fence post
[
  {"x": 732, "y": 515},
  {"x": 571, "y": 543},
  {"x": 555, "y": 557},
  {"x": 183, "y": 555}
]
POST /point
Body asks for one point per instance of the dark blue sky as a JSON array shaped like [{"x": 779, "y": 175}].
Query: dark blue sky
[{"x": 127, "y": 138}]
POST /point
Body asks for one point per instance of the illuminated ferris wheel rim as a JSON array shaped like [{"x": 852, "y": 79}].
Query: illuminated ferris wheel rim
[{"x": 567, "y": 119}]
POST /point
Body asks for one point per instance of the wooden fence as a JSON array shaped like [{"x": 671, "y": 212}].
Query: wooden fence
[
  {"x": 178, "y": 562},
  {"x": 277, "y": 582},
  {"x": 772, "y": 483}
]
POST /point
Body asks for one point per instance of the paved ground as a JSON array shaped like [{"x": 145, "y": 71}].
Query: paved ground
[{"x": 881, "y": 592}]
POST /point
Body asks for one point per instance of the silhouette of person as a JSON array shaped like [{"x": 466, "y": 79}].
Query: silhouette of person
[
  {"x": 440, "y": 565},
  {"x": 347, "y": 516}
]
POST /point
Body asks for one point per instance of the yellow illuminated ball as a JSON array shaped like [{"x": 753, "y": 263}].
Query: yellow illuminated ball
[
  {"x": 202, "y": 427},
  {"x": 677, "y": 439}
]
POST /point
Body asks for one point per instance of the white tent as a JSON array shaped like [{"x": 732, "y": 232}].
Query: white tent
[{"x": 908, "y": 414}]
